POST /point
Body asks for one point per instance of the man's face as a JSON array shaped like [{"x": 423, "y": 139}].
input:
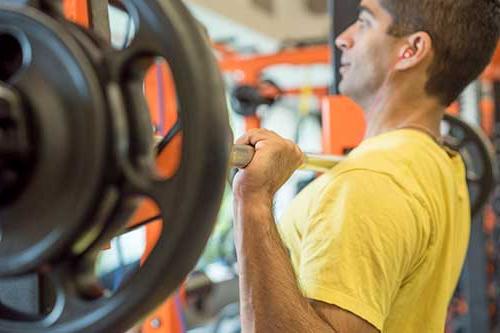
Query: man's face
[{"x": 367, "y": 52}]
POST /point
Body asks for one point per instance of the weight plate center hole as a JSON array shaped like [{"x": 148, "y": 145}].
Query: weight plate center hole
[{"x": 11, "y": 57}]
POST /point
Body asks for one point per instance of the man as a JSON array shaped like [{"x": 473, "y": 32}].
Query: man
[{"x": 377, "y": 243}]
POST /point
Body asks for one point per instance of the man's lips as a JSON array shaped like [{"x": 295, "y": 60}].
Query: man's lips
[{"x": 344, "y": 67}]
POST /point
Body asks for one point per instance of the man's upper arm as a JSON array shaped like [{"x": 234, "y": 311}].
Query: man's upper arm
[
  {"x": 341, "y": 320},
  {"x": 358, "y": 247}
]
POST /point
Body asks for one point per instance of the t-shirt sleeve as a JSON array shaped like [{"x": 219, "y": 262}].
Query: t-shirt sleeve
[{"x": 361, "y": 241}]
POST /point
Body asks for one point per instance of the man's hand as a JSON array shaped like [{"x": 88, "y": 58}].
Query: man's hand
[{"x": 274, "y": 162}]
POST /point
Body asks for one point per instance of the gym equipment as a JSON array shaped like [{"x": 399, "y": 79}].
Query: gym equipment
[
  {"x": 478, "y": 154},
  {"x": 77, "y": 147},
  {"x": 474, "y": 147},
  {"x": 245, "y": 99},
  {"x": 241, "y": 156},
  {"x": 74, "y": 108}
]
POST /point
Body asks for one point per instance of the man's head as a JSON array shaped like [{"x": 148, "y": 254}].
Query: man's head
[{"x": 447, "y": 42}]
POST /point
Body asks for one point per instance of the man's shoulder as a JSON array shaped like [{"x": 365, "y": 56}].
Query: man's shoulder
[
  {"x": 362, "y": 180},
  {"x": 402, "y": 155}
]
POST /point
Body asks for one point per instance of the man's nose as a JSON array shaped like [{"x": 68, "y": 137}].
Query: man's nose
[{"x": 344, "y": 41}]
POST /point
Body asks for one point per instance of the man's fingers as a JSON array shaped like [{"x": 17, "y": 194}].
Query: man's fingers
[
  {"x": 260, "y": 138},
  {"x": 252, "y": 137},
  {"x": 245, "y": 138},
  {"x": 242, "y": 140}
]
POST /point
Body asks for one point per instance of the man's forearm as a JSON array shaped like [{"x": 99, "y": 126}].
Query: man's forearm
[{"x": 270, "y": 297}]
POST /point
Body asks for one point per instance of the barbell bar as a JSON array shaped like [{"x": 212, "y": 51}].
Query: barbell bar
[
  {"x": 472, "y": 144},
  {"x": 241, "y": 156}
]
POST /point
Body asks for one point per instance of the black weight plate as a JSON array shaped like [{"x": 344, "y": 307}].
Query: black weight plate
[
  {"x": 67, "y": 112},
  {"x": 189, "y": 201},
  {"x": 478, "y": 155}
]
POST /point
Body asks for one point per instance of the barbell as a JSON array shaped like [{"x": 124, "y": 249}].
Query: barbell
[
  {"x": 241, "y": 156},
  {"x": 77, "y": 150},
  {"x": 475, "y": 148}
]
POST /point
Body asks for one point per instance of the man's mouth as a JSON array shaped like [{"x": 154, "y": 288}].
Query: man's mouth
[{"x": 344, "y": 67}]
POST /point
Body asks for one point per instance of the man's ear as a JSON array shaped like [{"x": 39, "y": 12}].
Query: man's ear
[{"x": 415, "y": 49}]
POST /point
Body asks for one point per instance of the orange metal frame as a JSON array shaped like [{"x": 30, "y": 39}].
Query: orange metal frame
[
  {"x": 249, "y": 68},
  {"x": 77, "y": 11},
  {"x": 492, "y": 73}
]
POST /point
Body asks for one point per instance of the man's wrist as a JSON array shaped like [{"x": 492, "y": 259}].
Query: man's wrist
[{"x": 254, "y": 199}]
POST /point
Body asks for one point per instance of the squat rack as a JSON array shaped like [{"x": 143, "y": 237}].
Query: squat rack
[{"x": 343, "y": 129}]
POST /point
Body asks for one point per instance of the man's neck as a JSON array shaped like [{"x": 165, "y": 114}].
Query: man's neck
[{"x": 392, "y": 112}]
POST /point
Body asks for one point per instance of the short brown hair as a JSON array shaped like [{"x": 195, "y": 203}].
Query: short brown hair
[{"x": 464, "y": 34}]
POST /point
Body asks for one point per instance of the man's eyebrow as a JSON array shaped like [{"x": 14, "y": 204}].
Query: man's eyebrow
[{"x": 365, "y": 9}]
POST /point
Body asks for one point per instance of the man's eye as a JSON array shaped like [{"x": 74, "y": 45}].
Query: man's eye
[{"x": 363, "y": 22}]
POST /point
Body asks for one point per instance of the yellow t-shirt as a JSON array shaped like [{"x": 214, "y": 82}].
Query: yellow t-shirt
[{"x": 384, "y": 233}]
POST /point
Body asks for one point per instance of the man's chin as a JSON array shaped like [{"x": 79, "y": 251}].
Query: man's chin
[
  {"x": 349, "y": 91},
  {"x": 344, "y": 89}
]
